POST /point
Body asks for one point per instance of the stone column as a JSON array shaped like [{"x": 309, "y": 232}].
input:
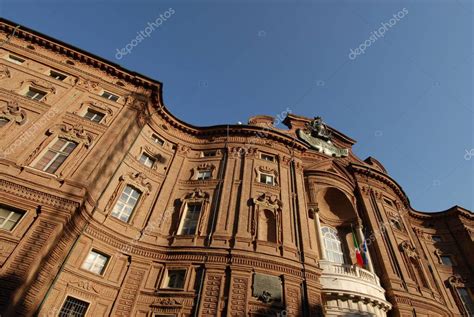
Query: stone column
[
  {"x": 361, "y": 237},
  {"x": 319, "y": 235}
]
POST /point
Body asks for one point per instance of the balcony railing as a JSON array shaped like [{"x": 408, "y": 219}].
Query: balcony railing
[{"x": 349, "y": 270}]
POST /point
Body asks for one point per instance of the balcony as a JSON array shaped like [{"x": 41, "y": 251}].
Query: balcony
[{"x": 349, "y": 290}]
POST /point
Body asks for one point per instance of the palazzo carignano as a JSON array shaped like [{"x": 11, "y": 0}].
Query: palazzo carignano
[{"x": 112, "y": 206}]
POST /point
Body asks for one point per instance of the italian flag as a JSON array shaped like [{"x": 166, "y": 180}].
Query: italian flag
[{"x": 360, "y": 261}]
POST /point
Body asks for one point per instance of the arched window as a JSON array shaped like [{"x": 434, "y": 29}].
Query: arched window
[{"x": 332, "y": 245}]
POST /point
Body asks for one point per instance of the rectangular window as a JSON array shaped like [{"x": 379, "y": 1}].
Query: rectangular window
[
  {"x": 94, "y": 116},
  {"x": 15, "y": 59},
  {"x": 190, "y": 219},
  {"x": 267, "y": 179},
  {"x": 73, "y": 307},
  {"x": 147, "y": 160},
  {"x": 110, "y": 96},
  {"x": 95, "y": 262},
  {"x": 175, "y": 279},
  {"x": 157, "y": 140},
  {"x": 3, "y": 122},
  {"x": 128, "y": 200},
  {"x": 267, "y": 157},
  {"x": 9, "y": 218},
  {"x": 55, "y": 155},
  {"x": 203, "y": 175},
  {"x": 57, "y": 75},
  {"x": 35, "y": 94},
  {"x": 209, "y": 153},
  {"x": 466, "y": 299},
  {"x": 447, "y": 260}
]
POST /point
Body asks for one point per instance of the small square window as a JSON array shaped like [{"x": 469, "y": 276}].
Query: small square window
[
  {"x": 95, "y": 262},
  {"x": 35, "y": 94},
  {"x": 209, "y": 153},
  {"x": 57, "y": 75},
  {"x": 203, "y": 175},
  {"x": 3, "y": 122},
  {"x": 15, "y": 59},
  {"x": 175, "y": 279},
  {"x": 158, "y": 140},
  {"x": 110, "y": 96},
  {"x": 73, "y": 307},
  {"x": 94, "y": 116},
  {"x": 447, "y": 260},
  {"x": 267, "y": 179},
  {"x": 267, "y": 157},
  {"x": 9, "y": 218},
  {"x": 437, "y": 238},
  {"x": 147, "y": 160}
]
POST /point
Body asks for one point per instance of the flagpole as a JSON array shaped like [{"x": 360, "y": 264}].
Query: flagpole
[{"x": 360, "y": 233}]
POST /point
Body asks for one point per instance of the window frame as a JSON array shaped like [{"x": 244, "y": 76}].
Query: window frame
[
  {"x": 267, "y": 157},
  {"x": 55, "y": 74},
  {"x": 266, "y": 175},
  {"x": 12, "y": 210},
  {"x": 15, "y": 59},
  {"x": 132, "y": 211},
  {"x": 99, "y": 253},
  {"x": 6, "y": 120},
  {"x": 36, "y": 91},
  {"x": 166, "y": 278},
  {"x": 157, "y": 140},
  {"x": 111, "y": 96},
  {"x": 184, "y": 218},
  {"x": 76, "y": 298},
  {"x": 94, "y": 112},
  {"x": 451, "y": 260},
  {"x": 203, "y": 175},
  {"x": 57, "y": 154},
  {"x": 209, "y": 153},
  {"x": 335, "y": 254},
  {"x": 148, "y": 158}
]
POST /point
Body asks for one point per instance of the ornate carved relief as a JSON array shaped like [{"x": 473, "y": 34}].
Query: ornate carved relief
[
  {"x": 4, "y": 72},
  {"x": 13, "y": 113},
  {"x": 74, "y": 133},
  {"x": 266, "y": 223},
  {"x": 87, "y": 84}
]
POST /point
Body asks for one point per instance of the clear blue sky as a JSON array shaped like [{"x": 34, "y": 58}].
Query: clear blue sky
[{"x": 408, "y": 100}]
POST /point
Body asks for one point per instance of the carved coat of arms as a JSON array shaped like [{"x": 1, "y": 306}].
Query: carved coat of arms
[{"x": 317, "y": 135}]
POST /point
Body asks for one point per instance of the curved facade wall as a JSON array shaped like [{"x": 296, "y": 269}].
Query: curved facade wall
[{"x": 111, "y": 206}]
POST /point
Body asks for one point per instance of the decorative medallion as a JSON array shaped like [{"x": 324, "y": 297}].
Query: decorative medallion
[{"x": 317, "y": 135}]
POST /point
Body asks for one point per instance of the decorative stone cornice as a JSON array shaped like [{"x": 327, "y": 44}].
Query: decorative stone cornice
[{"x": 37, "y": 196}]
